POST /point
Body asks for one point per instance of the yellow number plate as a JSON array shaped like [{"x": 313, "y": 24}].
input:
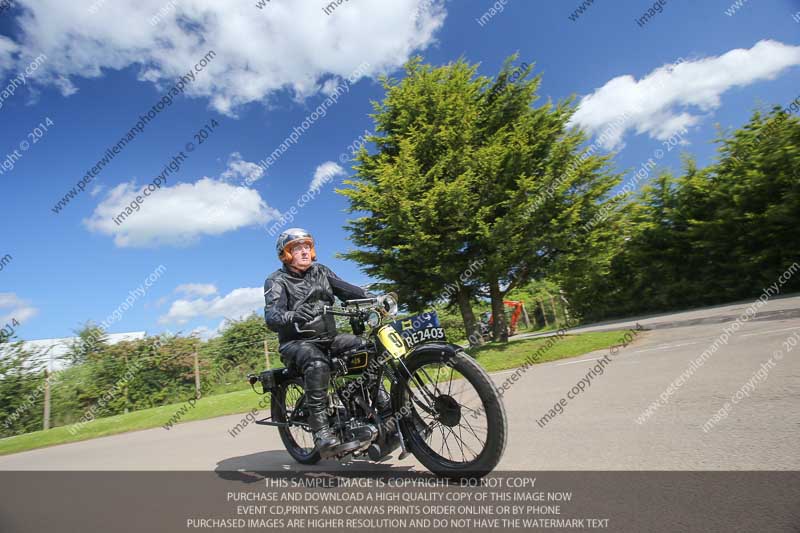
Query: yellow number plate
[{"x": 392, "y": 341}]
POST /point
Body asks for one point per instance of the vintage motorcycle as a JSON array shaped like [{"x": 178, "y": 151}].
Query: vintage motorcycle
[{"x": 444, "y": 408}]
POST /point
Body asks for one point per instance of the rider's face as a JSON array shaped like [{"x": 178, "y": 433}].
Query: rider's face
[{"x": 301, "y": 256}]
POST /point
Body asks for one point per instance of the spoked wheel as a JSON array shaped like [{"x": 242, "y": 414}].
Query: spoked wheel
[
  {"x": 455, "y": 398},
  {"x": 288, "y": 404}
]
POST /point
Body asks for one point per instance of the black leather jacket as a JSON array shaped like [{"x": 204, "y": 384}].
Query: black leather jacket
[{"x": 286, "y": 290}]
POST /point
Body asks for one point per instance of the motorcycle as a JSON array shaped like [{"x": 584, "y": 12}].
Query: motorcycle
[{"x": 444, "y": 408}]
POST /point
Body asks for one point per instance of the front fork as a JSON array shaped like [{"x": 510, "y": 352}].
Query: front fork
[{"x": 399, "y": 369}]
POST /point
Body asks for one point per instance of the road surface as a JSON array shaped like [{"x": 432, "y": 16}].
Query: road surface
[{"x": 598, "y": 429}]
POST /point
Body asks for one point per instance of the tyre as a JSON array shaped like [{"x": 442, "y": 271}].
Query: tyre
[
  {"x": 454, "y": 420},
  {"x": 298, "y": 440}
]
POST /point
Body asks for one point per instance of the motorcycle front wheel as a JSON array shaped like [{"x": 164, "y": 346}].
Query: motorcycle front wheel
[{"x": 452, "y": 417}]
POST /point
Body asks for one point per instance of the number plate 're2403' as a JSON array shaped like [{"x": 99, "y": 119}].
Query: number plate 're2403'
[
  {"x": 420, "y": 328},
  {"x": 392, "y": 341}
]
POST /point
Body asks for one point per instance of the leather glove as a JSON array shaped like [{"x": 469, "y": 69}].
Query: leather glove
[{"x": 305, "y": 313}]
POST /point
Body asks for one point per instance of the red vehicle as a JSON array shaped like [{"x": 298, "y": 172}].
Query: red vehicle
[{"x": 487, "y": 319}]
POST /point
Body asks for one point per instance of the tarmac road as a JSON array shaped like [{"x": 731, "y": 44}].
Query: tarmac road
[{"x": 597, "y": 430}]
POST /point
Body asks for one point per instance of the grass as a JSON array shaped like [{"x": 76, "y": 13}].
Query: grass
[
  {"x": 208, "y": 407},
  {"x": 492, "y": 357}
]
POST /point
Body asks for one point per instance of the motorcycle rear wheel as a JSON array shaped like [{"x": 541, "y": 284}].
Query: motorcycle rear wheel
[{"x": 298, "y": 440}]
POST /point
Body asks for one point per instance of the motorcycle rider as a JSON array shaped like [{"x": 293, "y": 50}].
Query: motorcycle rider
[{"x": 294, "y": 296}]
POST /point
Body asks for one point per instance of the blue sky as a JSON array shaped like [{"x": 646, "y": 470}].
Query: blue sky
[{"x": 273, "y": 67}]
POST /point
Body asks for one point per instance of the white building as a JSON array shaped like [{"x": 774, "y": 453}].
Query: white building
[{"x": 55, "y": 348}]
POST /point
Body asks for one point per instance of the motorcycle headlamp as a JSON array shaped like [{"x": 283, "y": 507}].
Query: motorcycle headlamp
[
  {"x": 374, "y": 319},
  {"x": 389, "y": 304}
]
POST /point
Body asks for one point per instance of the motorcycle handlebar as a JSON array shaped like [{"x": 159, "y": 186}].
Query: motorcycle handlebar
[
  {"x": 333, "y": 311},
  {"x": 362, "y": 301}
]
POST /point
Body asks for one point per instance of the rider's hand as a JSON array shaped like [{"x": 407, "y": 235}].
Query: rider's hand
[{"x": 306, "y": 312}]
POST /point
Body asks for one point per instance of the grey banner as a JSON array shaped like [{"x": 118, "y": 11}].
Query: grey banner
[{"x": 362, "y": 501}]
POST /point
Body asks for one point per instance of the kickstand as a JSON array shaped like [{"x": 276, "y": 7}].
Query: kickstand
[{"x": 405, "y": 453}]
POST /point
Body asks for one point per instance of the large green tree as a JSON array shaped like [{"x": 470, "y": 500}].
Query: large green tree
[
  {"x": 710, "y": 235},
  {"x": 468, "y": 171}
]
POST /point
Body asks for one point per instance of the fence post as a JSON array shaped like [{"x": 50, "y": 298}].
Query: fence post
[
  {"x": 196, "y": 376},
  {"x": 555, "y": 312},
  {"x": 544, "y": 313},
  {"x": 266, "y": 353},
  {"x": 46, "y": 422},
  {"x": 565, "y": 306},
  {"x": 525, "y": 317}
]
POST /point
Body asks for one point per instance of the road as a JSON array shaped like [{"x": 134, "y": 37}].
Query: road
[{"x": 598, "y": 429}]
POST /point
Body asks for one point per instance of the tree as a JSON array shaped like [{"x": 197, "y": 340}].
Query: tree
[
  {"x": 711, "y": 235},
  {"x": 468, "y": 170},
  {"x": 90, "y": 340},
  {"x": 21, "y": 388}
]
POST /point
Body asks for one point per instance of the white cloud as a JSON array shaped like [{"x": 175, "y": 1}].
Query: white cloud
[
  {"x": 7, "y": 50},
  {"x": 196, "y": 289},
  {"x": 673, "y": 97},
  {"x": 21, "y": 310},
  {"x": 238, "y": 168},
  {"x": 205, "y": 333},
  {"x": 325, "y": 173},
  {"x": 290, "y": 45},
  {"x": 97, "y": 189},
  {"x": 180, "y": 214},
  {"x": 237, "y": 304}
]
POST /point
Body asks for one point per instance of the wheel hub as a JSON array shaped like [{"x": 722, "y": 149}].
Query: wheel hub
[{"x": 448, "y": 411}]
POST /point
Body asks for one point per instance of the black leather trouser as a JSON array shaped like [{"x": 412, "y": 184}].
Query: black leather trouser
[
  {"x": 296, "y": 355},
  {"x": 311, "y": 359}
]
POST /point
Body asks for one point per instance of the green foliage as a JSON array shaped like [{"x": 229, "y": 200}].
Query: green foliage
[
  {"x": 21, "y": 391},
  {"x": 468, "y": 169},
  {"x": 494, "y": 358},
  {"x": 90, "y": 340},
  {"x": 242, "y": 343},
  {"x": 711, "y": 235}
]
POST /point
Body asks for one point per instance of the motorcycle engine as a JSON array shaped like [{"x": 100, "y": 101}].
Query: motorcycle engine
[{"x": 361, "y": 432}]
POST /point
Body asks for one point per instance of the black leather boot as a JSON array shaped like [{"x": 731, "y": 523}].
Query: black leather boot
[{"x": 317, "y": 376}]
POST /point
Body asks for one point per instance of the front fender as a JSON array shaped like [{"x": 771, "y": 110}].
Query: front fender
[{"x": 445, "y": 348}]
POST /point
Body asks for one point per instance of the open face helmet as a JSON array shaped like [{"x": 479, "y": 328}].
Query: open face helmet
[{"x": 290, "y": 237}]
